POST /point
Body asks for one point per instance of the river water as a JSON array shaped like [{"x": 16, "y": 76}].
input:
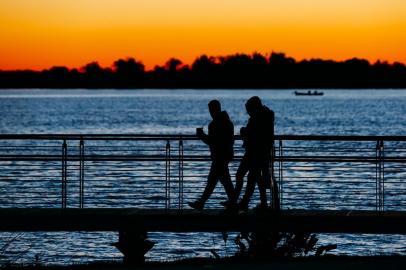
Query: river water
[{"x": 338, "y": 112}]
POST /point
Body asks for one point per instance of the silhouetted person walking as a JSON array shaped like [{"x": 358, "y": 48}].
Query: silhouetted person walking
[
  {"x": 220, "y": 140},
  {"x": 258, "y": 137}
]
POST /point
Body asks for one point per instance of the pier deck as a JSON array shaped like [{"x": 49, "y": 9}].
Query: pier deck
[{"x": 128, "y": 219}]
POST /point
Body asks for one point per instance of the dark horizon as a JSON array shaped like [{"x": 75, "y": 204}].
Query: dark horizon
[{"x": 238, "y": 71}]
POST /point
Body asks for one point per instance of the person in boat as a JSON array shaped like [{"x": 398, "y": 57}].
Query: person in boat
[
  {"x": 220, "y": 139},
  {"x": 258, "y": 141}
]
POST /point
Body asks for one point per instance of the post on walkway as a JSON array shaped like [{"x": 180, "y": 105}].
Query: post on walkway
[
  {"x": 133, "y": 245},
  {"x": 180, "y": 154},
  {"x": 380, "y": 176},
  {"x": 277, "y": 189},
  {"x": 81, "y": 172},
  {"x": 168, "y": 175},
  {"x": 64, "y": 173}
]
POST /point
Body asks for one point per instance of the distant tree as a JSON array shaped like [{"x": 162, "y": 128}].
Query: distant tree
[
  {"x": 57, "y": 75},
  {"x": 92, "y": 68},
  {"x": 128, "y": 67},
  {"x": 282, "y": 71},
  {"x": 357, "y": 63},
  {"x": 173, "y": 65},
  {"x": 280, "y": 59},
  {"x": 205, "y": 72},
  {"x": 259, "y": 61},
  {"x": 57, "y": 71},
  {"x": 94, "y": 76},
  {"x": 399, "y": 66},
  {"x": 158, "y": 69},
  {"x": 238, "y": 63},
  {"x": 204, "y": 64},
  {"x": 129, "y": 73}
]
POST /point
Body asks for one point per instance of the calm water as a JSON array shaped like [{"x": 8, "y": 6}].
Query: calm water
[
  {"x": 338, "y": 112},
  {"x": 346, "y": 112}
]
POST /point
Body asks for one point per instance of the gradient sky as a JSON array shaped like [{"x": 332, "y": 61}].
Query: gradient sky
[{"x": 37, "y": 34}]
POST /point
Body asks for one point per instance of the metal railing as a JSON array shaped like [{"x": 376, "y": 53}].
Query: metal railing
[{"x": 167, "y": 171}]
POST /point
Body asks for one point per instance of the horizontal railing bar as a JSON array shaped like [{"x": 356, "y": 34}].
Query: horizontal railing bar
[
  {"x": 159, "y": 179},
  {"x": 329, "y": 150},
  {"x": 49, "y": 190},
  {"x": 341, "y": 182},
  {"x": 315, "y": 194},
  {"x": 190, "y": 137},
  {"x": 329, "y": 188},
  {"x": 192, "y": 158},
  {"x": 332, "y": 147},
  {"x": 96, "y": 188},
  {"x": 322, "y": 165},
  {"x": 348, "y": 175},
  {"x": 347, "y": 199},
  {"x": 329, "y": 173},
  {"x": 34, "y": 198}
]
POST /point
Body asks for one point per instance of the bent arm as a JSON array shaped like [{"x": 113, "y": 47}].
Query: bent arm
[{"x": 204, "y": 138}]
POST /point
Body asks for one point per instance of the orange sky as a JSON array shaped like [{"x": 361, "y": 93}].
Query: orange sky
[{"x": 37, "y": 34}]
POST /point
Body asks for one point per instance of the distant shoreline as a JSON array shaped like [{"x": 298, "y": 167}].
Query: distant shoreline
[{"x": 239, "y": 71}]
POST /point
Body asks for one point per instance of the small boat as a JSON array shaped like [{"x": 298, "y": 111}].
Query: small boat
[{"x": 309, "y": 93}]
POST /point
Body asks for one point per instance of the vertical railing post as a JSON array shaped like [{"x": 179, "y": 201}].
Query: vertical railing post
[
  {"x": 81, "y": 172},
  {"x": 64, "y": 173},
  {"x": 377, "y": 182},
  {"x": 280, "y": 174},
  {"x": 168, "y": 175},
  {"x": 377, "y": 200},
  {"x": 271, "y": 179},
  {"x": 180, "y": 155},
  {"x": 380, "y": 176}
]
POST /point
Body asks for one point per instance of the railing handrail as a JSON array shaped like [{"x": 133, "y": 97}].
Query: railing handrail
[
  {"x": 284, "y": 137},
  {"x": 175, "y": 157}
]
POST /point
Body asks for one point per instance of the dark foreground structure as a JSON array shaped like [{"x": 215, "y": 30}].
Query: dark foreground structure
[
  {"x": 134, "y": 184},
  {"x": 139, "y": 220},
  {"x": 322, "y": 263},
  {"x": 133, "y": 224}
]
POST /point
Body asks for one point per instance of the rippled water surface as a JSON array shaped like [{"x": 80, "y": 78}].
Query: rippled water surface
[{"x": 338, "y": 112}]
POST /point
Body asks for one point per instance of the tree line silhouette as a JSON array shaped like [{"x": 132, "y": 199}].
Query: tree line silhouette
[{"x": 232, "y": 71}]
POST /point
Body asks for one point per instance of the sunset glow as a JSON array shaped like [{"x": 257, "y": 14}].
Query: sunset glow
[{"x": 37, "y": 34}]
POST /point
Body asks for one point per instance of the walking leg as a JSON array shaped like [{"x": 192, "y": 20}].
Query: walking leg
[
  {"x": 212, "y": 180},
  {"x": 249, "y": 190},
  {"x": 225, "y": 179},
  {"x": 262, "y": 188},
  {"x": 275, "y": 194},
  {"x": 239, "y": 176}
]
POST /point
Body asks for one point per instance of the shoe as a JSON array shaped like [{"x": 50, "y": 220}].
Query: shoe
[
  {"x": 275, "y": 205},
  {"x": 227, "y": 204},
  {"x": 243, "y": 207},
  {"x": 198, "y": 205},
  {"x": 261, "y": 207}
]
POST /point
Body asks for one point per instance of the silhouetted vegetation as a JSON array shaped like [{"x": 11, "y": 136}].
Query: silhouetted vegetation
[
  {"x": 267, "y": 245},
  {"x": 233, "y": 71}
]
